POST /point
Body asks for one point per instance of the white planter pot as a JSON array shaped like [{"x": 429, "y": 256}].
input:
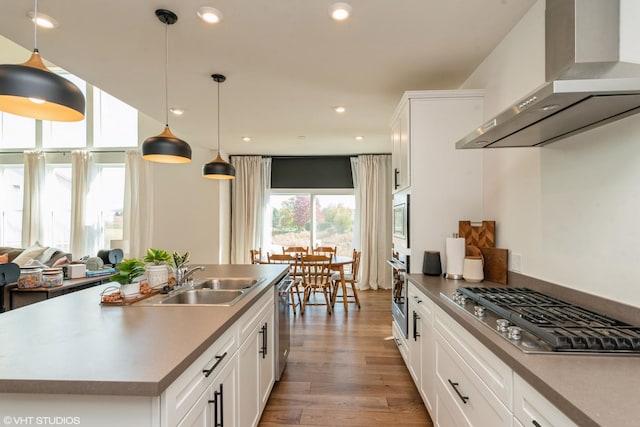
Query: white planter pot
[
  {"x": 130, "y": 291},
  {"x": 157, "y": 275}
]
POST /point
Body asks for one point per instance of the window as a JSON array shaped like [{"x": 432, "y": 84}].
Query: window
[
  {"x": 57, "y": 206},
  {"x": 17, "y": 131},
  {"x": 115, "y": 123},
  {"x": 108, "y": 196},
  {"x": 66, "y": 134},
  {"x": 11, "y": 182},
  {"x": 310, "y": 219}
]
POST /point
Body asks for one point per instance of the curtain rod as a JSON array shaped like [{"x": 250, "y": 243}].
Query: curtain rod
[
  {"x": 304, "y": 157},
  {"x": 64, "y": 151}
]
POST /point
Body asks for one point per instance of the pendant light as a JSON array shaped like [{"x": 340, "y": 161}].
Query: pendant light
[
  {"x": 32, "y": 90},
  {"x": 166, "y": 147},
  {"x": 218, "y": 169}
]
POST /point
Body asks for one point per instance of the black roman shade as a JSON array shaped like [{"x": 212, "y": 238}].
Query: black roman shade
[{"x": 311, "y": 172}]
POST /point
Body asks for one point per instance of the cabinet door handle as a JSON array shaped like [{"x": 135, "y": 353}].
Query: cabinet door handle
[
  {"x": 535, "y": 423},
  {"x": 398, "y": 343},
  {"x": 396, "y": 172},
  {"x": 263, "y": 350},
  {"x": 217, "y": 399},
  {"x": 455, "y": 388},
  {"x": 415, "y": 326},
  {"x": 208, "y": 372}
]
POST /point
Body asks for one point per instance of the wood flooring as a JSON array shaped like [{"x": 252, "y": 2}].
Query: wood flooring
[{"x": 345, "y": 370}]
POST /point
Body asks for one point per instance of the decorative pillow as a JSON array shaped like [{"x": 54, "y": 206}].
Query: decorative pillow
[
  {"x": 61, "y": 261},
  {"x": 30, "y": 253},
  {"x": 47, "y": 254},
  {"x": 4, "y": 258}
]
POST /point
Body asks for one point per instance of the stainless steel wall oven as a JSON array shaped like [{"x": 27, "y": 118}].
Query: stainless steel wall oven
[{"x": 399, "y": 302}]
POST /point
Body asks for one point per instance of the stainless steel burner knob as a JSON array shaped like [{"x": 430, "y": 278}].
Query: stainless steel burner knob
[
  {"x": 502, "y": 325},
  {"x": 514, "y": 333},
  {"x": 462, "y": 300},
  {"x": 478, "y": 310}
]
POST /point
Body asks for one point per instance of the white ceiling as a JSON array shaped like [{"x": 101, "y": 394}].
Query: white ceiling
[{"x": 286, "y": 62}]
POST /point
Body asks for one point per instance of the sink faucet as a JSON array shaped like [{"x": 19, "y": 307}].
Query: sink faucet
[{"x": 183, "y": 274}]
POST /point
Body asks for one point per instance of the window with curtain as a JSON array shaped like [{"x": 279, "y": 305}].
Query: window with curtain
[
  {"x": 17, "y": 131},
  {"x": 311, "y": 219},
  {"x": 57, "y": 206},
  {"x": 11, "y": 182},
  {"x": 108, "y": 187}
]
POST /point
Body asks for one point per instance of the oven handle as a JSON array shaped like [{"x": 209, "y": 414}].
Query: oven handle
[{"x": 397, "y": 265}]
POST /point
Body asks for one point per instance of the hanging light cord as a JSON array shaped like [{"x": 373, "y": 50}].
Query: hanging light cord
[
  {"x": 166, "y": 74},
  {"x": 218, "y": 118},
  {"x": 35, "y": 27}
]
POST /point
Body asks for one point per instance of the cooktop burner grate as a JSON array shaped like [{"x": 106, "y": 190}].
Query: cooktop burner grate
[{"x": 564, "y": 326}]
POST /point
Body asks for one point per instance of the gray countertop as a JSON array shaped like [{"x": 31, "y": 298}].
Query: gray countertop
[
  {"x": 591, "y": 390},
  {"x": 74, "y": 345}
]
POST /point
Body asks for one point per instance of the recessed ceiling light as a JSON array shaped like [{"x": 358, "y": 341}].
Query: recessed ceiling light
[
  {"x": 209, "y": 14},
  {"x": 176, "y": 111},
  {"x": 246, "y": 138},
  {"x": 339, "y": 109},
  {"x": 44, "y": 21},
  {"x": 340, "y": 11},
  {"x": 359, "y": 138}
]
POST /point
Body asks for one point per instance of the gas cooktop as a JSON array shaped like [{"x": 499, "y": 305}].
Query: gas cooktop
[{"x": 538, "y": 323}]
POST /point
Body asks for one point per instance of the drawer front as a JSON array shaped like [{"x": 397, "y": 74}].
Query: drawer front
[
  {"x": 423, "y": 304},
  {"x": 493, "y": 371},
  {"x": 401, "y": 342},
  {"x": 459, "y": 384},
  {"x": 532, "y": 409},
  {"x": 249, "y": 320},
  {"x": 184, "y": 392}
]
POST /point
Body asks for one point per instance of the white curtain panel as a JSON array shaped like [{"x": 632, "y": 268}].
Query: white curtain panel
[
  {"x": 86, "y": 238},
  {"x": 372, "y": 182},
  {"x": 138, "y": 205},
  {"x": 32, "y": 209},
  {"x": 249, "y": 197}
]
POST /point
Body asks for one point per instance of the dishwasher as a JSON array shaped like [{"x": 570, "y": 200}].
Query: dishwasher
[{"x": 283, "y": 323}]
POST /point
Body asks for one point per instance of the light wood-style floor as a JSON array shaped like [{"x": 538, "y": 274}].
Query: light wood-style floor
[{"x": 345, "y": 370}]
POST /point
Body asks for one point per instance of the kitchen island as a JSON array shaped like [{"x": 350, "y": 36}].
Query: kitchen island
[
  {"x": 72, "y": 349},
  {"x": 592, "y": 390}
]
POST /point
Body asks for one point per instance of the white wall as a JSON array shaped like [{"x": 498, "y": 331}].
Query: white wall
[
  {"x": 570, "y": 208},
  {"x": 187, "y": 207}
]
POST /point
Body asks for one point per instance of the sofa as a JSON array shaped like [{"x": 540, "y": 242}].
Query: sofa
[{"x": 45, "y": 255}]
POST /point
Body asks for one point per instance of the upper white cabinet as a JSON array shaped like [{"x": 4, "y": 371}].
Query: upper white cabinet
[{"x": 445, "y": 184}]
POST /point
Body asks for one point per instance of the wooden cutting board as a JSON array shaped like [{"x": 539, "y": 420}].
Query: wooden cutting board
[
  {"x": 482, "y": 235},
  {"x": 495, "y": 264}
]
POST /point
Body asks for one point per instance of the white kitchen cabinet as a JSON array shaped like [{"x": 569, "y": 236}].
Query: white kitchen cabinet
[
  {"x": 256, "y": 359},
  {"x": 532, "y": 409},
  {"x": 401, "y": 150},
  {"x": 188, "y": 388},
  {"x": 421, "y": 345},
  {"x": 472, "y": 383},
  {"x": 217, "y": 406},
  {"x": 445, "y": 184}
]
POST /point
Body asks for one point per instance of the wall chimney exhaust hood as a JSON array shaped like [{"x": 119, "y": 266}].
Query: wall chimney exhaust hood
[{"x": 587, "y": 85}]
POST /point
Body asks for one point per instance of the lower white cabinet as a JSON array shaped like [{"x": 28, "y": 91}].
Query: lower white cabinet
[
  {"x": 217, "y": 406},
  {"x": 187, "y": 390},
  {"x": 532, "y": 409},
  {"x": 256, "y": 358},
  {"x": 421, "y": 345}
]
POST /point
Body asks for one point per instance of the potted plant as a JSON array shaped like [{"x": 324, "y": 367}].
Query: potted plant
[
  {"x": 157, "y": 267},
  {"x": 129, "y": 270}
]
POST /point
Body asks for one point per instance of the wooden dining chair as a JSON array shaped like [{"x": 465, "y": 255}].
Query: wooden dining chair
[
  {"x": 325, "y": 250},
  {"x": 316, "y": 276},
  {"x": 296, "y": 250},
  {"x": 295, "y": 273},
  {"x": 350, "y": 282},
  {"x": 256, "y": 255}
]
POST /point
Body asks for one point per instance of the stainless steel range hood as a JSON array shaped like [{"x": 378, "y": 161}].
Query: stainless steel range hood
[{"x": 587, "y": 83}]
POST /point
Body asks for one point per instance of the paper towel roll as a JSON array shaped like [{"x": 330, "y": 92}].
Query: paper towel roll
[{"x": 455, "y": 251}]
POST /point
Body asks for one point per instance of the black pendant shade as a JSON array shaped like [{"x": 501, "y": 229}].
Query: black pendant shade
[
  {"x": 32, "y": 90},
  {"x": 166, "y": 147},
  {"x": 218, "y": 168}
]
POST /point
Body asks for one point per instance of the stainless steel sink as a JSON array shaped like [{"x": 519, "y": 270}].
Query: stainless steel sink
[
  {"x": 203, "y": 297},
  {"x": 228, "y": 283}
]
